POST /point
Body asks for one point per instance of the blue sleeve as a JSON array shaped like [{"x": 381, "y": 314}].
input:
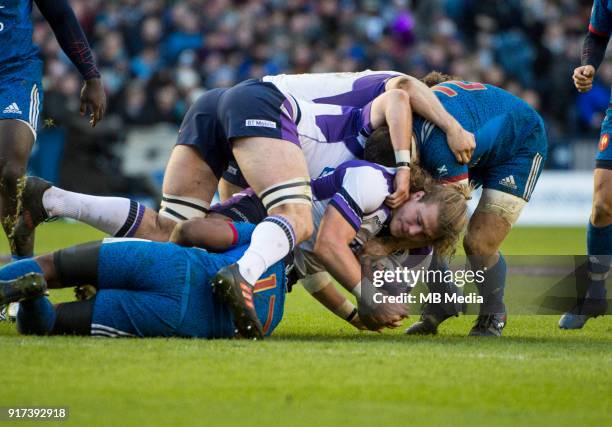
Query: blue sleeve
[
  {"x": 69, "y": 35},
  {"x": 601, "y": 22},
  {"x": 243, "y": 232},
  {"x": 439, "y": 160}
]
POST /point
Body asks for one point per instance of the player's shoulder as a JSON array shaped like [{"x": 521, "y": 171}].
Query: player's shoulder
[{"x": 367, "y": 183}]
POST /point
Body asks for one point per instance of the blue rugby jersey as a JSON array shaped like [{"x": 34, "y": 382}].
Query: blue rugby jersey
[
  {"x": 500, "y": 121},
  {"x": 16, "y": 34},
  {"x": 600, "y": 23}
]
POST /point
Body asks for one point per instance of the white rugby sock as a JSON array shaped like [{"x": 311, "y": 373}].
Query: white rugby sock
[
  {"x": 117, "y": 216},
  {"x": 271, "y": 241}
]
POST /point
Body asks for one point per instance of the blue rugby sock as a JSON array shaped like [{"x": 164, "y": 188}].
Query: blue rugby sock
[
  {"x": 599, "y": 249},
  {"x": 19, "y": 268},
  {"x": 36, "y": 316},
  {"x": 492, "y": 288}
]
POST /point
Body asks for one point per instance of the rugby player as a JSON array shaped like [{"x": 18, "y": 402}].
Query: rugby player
[
  {"x": 599, "y": 228},
  {"x": 511, "y": 148},
  {"x": 21, "y": 98},
  {"x": 251, "y": 122},
  {"x": 349, "y": 211},
  {"x": 356, "y": 90},
  {"x": 144, "y": 288}
]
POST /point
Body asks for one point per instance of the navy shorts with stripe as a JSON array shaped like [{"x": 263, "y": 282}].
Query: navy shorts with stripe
[
  {"x": 250, "y": 109},
  {"x": 519, "y": 174}
]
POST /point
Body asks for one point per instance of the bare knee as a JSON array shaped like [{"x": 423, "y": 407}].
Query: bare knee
[
  {"x": 474, "y": 244},
  {"x": 602, "y": 212}
]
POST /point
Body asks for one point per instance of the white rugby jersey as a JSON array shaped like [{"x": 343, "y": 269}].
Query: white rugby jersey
[
  {"x": 349, "y": 89},
  {"x": 331, "y": 134},
  {"x": 357, "y": 189}
]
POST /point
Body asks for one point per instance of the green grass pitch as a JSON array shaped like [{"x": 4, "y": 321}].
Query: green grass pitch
[{"x": 317, "y": 371}]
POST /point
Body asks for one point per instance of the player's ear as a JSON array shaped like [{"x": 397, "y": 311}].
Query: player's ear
[{"x": 417, "y": 195}]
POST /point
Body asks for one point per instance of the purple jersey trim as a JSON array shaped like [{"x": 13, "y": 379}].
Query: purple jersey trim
[
  {"x": 343, "y": 206},
  {"x": 288, "y": 127},
  {"x": 365, "y": 89}
]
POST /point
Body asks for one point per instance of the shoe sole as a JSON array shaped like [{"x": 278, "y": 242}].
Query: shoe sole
[
  {"x": 418, "y": 329},
  {"x": 245, "y": 319},
  {"x": 29, "y": 285}
]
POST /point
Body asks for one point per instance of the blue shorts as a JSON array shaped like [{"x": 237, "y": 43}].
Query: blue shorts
[
  {"x": 21, "y": 98},
  {"x": 603, "y": 160},
  {"x": 249, "y": 109},
  {"x": 519, "y": 174},
  {"x": 152, "y": 289}
]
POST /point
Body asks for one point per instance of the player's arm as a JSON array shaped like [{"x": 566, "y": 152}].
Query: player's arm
[
  {"x": 594, "y": 47},
  {"x": 333, "y": 250},
  {"x": 73, "y": 42},
  {"x": 426, "y": 104},
  {"x": 212, "y": 234},
  {"x": 392, "y": 109},
  {"x": 320, "y": 286}
]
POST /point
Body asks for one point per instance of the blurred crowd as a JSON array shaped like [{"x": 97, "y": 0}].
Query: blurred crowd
[{"x": 157, "y": 56}]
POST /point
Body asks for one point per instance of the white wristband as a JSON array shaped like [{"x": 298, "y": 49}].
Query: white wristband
[
  {"x": 344, "y": 309},
  {"x": 315, "y": 282},
  {"x": 357, "y": 290},
  {"x": 402, "y": 156}
]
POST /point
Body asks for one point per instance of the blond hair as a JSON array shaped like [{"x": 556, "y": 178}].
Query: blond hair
[{"x": 451, "y": 200}]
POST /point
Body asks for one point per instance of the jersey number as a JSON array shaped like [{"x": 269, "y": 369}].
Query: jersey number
[{"x": 449, "y": 91}]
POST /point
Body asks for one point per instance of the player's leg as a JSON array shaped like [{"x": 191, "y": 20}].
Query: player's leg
[
  {"x": 287, "y": 198},
  {"x": 231, "y": 182},
  {"x": 434, "y": 314},
  {"x": 16, "y": 141},
  {"x": 26, "y": 280},
  {"x": 117, "y": 216},
  {"x": 266, "y": 147},
  {"x": 189, "y": 187},
  {"x": 599, "y": 250},
  {"x": 486, "y": 231},
  {"x": 122, "y": 217}
]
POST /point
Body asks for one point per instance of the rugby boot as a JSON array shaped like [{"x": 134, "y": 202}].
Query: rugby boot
[
  {"x": 489, "y": 325},
  {"x": 229, "y": 285},
  {"x": 588, "y": 309},
  {"x": 434, "y": 314},
  {"x": 28, "y": 286},
  {"x": 430, "y": 320},
  {"x": 31, "y": 214}
]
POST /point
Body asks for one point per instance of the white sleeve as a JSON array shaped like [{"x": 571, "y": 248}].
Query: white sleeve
[{"x": 366, "y": 186}]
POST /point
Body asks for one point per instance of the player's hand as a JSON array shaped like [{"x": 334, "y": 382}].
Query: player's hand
[
  {"x": 462, "y": 143},
  {"x": 402, "y": 189},
  {"x": 356, "y": 322},
  {"x": 583, "y": 78},
  {"x": 384, "y": 316},
  {"x": 93, "y": 99}
]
